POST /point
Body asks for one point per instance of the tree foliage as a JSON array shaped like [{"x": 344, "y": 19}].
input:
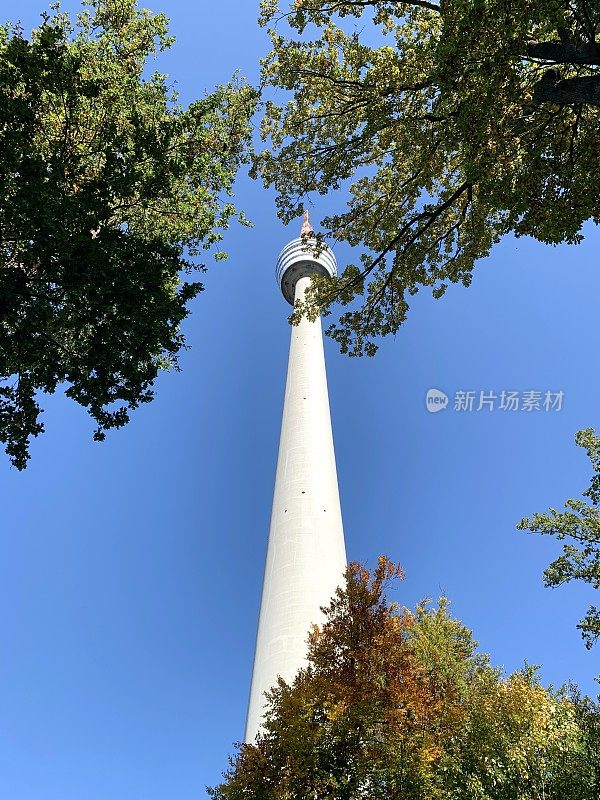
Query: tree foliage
[
  {"x": 468, "y": 119},
  {"x": 579, "y": 524},
  {"x": 397, "y": 704},
  {"x": 110, "y": 189}
]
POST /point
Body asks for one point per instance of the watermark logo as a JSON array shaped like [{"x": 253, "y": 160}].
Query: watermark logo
[
  {"x": 504, "y": 401},
  {"x": 436, "y": 401}
]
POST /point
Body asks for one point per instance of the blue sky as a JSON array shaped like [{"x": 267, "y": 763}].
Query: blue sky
[{"x": 130, "y": 571}]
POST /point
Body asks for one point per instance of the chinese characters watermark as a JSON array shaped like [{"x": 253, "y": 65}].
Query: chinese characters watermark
[{"x": 488, "y": 400}]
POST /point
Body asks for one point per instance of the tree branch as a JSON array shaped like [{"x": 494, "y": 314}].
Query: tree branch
[
  {"x": 570, "y": 91},
  {"x": 366, "y": 3},
  {"x": 563, "y": 52}
]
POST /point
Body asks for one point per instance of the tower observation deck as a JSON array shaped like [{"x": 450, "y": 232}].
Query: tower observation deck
[{"x": 306, "y": 555}]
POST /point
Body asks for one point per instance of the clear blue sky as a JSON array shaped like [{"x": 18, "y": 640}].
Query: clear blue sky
[{"x": 130, "y": 571}]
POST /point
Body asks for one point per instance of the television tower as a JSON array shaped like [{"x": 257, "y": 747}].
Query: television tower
[{"x": 306, "y": 555}]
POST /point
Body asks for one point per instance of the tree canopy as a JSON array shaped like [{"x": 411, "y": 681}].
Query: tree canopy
[
  {"x": 579, "y": 525},
  {"x": 464, "y": 121},
  {"x": 110, "y": 190},
  {"x": 399, "y": 705}
]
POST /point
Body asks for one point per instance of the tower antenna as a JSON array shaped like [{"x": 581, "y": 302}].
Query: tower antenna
[{"x": 306, "y": 226}]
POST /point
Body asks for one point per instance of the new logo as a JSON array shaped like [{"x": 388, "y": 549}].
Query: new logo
[{"x": 436, "y": 400}]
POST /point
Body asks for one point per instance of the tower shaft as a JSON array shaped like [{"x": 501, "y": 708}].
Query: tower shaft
[{"x": 306, "y": 555}]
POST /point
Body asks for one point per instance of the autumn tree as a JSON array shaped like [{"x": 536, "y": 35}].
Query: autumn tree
[
  {"x": 579, "y": 526},
  {"x": 398, "y": 705},
  {"x": 452, "y": 122},
  {"x": 110, "y": 191}
]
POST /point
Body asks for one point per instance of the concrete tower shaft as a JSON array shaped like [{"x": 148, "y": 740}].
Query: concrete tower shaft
[{"x": 306, "y": 555}]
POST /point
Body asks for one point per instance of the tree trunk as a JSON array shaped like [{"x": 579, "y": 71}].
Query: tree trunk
[{"x": 567, "y": 92}]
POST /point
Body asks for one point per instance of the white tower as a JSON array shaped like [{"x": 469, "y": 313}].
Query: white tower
[{"x": 306, "y": 555}]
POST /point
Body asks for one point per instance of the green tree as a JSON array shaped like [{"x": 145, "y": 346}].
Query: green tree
[
  {"x": 110, "y": 190},
  {"x": 588, "y": 718},
  {"x": 579, "y": 524},
  {"x": 467, "y": 120},
  {"x": 398, "y": 705}
]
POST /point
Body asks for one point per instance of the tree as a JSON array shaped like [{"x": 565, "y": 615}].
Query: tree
[
  {"x": 469, "y": 119},
  {"x": 588, "y": 718},
  {"x": 397, "y": 704},
  {"x": 579, "y": 523},
  {"x": 110, "y": 190}
]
